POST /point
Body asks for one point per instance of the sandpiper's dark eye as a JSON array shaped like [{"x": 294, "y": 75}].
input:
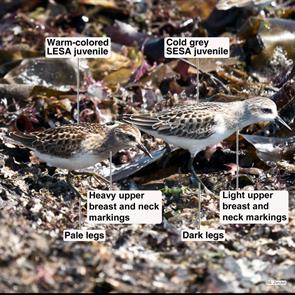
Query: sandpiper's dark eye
[
  {"x": 131, "y": 137},
  {"x": 266, "y": 111}
]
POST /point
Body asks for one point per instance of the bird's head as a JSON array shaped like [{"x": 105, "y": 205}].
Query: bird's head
[
  {"x": 127, "y": 136},
  {"x": 263, "y": 109}
]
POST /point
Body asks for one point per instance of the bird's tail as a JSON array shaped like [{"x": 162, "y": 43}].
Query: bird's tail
[
  {"x": 21, "y": 138},
  {"x": 141, "y": 121}
]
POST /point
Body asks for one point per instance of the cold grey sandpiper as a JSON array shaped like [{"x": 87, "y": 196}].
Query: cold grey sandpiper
[{"x": 193, "y": 127}]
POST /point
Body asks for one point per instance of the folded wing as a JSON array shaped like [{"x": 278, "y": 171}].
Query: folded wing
[{"x": 191, "y": 121}]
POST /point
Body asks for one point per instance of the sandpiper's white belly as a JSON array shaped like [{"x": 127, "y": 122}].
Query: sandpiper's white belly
[
  {"x": 76, "y": 162},
  {"x": 194, "y": 145}
]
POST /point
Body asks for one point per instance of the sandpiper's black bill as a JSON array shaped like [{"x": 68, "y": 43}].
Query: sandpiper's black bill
[
  {"x": 283, "y": 122},
  {"x": 144, "y": 149}
]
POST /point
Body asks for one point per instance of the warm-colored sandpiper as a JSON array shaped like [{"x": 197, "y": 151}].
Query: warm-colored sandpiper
[
  {"x": 194, "y": 127},
  {"x": 75, "y": 147}
]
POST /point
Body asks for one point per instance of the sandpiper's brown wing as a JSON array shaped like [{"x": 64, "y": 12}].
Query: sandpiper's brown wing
[
  {"x": 59, "y": 141},
  {"x": 191, "y": 121}
]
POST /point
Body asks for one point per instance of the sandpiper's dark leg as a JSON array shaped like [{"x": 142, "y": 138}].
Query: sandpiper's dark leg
[
  {"x": 196, "y": 177},
  {"x": 166, "y": 156},
  {"x": 92, "y": 174}
]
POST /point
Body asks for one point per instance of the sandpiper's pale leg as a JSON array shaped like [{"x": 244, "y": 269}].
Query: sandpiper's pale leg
[
  {"x": 92, "y": 174},
  {"x": 68, "y": 179}
]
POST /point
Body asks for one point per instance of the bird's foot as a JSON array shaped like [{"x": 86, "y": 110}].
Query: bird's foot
[
  {"x": 98, "y": 177},
  {"x": 197, "y": 182}
]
